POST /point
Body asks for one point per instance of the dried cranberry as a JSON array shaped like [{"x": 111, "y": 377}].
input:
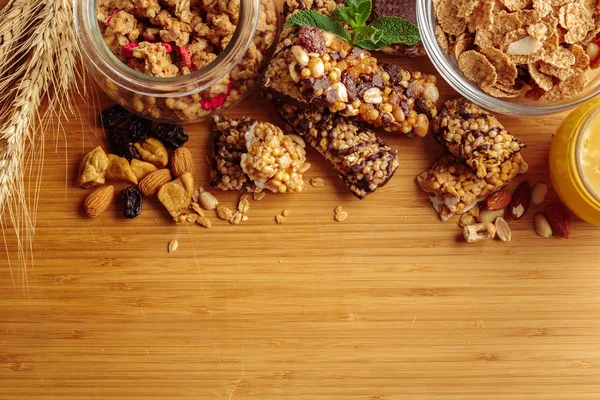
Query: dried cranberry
[
  {"x": 132, "y": 196},
  {"x": 113, "y": 116},
  {"x": 186, "y": 57},
  {"x": 172, "y": 136},
  {"x": 139, "y": 129},
  {"x": 168, "y": 47},
  {"x": 127, "y": 50},
  {"x": 311, "y": 39}
]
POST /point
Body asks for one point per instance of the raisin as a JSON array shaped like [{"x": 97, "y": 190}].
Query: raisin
[
  {"x": 139, "y": 129},
  {"x": 421, "y": 107},
  {"x": 394, "y": 71},
  {"x": 172, "y": 136},
  {"x": 311, "y": 39},
  {"x": 113, "y": 116},
  {"x": 350, "y": 83},
  {"x": 132, "y": 196},
  {"x": 120, "y": 143}
]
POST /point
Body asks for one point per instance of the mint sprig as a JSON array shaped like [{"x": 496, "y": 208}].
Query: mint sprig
[{"x": 382, "y": 32}]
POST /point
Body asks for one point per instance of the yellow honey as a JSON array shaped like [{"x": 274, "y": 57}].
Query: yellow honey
[{"x": 575, "y": 161}]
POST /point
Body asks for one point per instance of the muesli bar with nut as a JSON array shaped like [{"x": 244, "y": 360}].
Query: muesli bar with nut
[
  {"x": 455, "y": 189},
  {"x": 474, "y": 135},
  {"x": 398, "y": 8},
  {"x": 250, "y": 156},
  {"x": 316, "y": 67},
  {"x": 361, "y": 159}
]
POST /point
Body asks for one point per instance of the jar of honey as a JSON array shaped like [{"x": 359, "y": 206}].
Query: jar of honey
[{"x": 575, "y": 161}]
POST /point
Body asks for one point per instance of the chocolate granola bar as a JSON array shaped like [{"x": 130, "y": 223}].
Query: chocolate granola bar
[
  {"x": 315, "y": 67},
  {"x": 455, "y": 189},
  {"x": 398, "y": 8},
  {"x": 229, "y": 143},
  {"x": 251, "y": 156},
  {"x": 361, "y": 159},
  {"x": 473, "y": 134}
]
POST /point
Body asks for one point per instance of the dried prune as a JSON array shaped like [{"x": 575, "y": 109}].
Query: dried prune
[
  {"x": 172, "y": 136},
  {"x": 132, "y": 198},
  {"x": 120, "y": 143},
  {"x": 113, "y": 116},
  {"x": 139, "y": 129},
  {"x": 311, "y": 39}
]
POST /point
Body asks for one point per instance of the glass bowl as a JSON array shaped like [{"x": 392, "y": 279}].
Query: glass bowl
[
  {"x": 198, "y": 95},
  {"x": 520, "y": 106}
]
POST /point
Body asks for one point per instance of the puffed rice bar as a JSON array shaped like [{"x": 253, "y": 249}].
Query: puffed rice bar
[
  {"x": 455, "y": 189},
  {"x": 361, "y": 159},
  {"x": 315, "y": 67},
  {"x": 474, "y": 135}
]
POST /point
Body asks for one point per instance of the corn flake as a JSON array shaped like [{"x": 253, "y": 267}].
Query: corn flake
[
  {"x": 576, "y": 19},
  {"x": 442, "y": 40},
  {"x": 448, "y": 19},
  {"x": 515, "y": 5},
  {"x": 505, "y": 68},
  {"x": 544, "y": 81},
  {"x": 463, "y": 43},
  {"x": 477, "y": 68}
]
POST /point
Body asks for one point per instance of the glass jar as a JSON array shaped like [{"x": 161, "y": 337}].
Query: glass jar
[
  {"x": 575, "y": 161},
  {"x": 221, "y": 84}
]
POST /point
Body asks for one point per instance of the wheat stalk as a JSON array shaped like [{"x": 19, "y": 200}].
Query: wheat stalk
[{"x": 47, "y": 45}]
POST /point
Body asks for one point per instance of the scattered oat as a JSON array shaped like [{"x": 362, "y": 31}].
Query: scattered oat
[
  {"x": 197, "y": 209},
  {"x": 338, "y": 209},
  {"x": 196, "y": 196},
  {"x": 236, "y": 218},
  {"x": 192, "y": 217},
  {"x": 317, "y": 182},
  {"x": 243, "y": 204},
  {"x": 258, "y": 196},
  {"x": 173, "y": 245},
  {"x": 204, "y": 222},
  {"x": 342, "y": 215},
  {"x": 280, "y": 219},
  {"x": 285, "y": 212},
  {"x": 224, "y": 213},
  {"x": 244, "y": 218},
  {"x": 179, "y": 219}
]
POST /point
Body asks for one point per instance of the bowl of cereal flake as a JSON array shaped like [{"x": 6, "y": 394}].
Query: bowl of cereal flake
[
  {"x": 515, "y": 57},
  {"x": 176, "y": 61}
]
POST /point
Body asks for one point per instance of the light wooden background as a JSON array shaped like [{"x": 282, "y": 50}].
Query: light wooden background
[{"x": 389, "y": 304}]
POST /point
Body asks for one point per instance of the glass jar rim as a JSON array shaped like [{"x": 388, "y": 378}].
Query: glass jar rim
[
  {"x": 97, "y": 52},
  {"x": 595, "y": 113}
]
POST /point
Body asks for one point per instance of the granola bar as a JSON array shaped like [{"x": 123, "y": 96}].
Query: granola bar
[
  {"x": 251, "y": 156},
  {"x": 398, "y": 8},
  {"x": 476, "y": 136},
  {"x": 455, "y": 189},
  {"x": 315, "y": 67},
  {"x": 361, "y": 159},
  {"x": 229, "y": 143}
]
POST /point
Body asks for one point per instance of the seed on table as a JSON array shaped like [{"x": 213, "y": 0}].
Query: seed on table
[
  {"x": 173, "y": 245},
  {"x": 280, "y": 219},
  {"x": 285, "y": 212},
  {"x": 342, "y": 215},
  {"x": 338, "y": 209},
  {"x": 204, "y": 222},
  {"x": 258, "y": 195},
  {"x": 317, "y": 182}
]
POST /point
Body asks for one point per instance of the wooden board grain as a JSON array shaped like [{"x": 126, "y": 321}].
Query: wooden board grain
[{"x": 389, "y": 304}]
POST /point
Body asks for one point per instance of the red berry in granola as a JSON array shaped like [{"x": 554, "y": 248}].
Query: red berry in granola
[{"x": 127, "y": 50}]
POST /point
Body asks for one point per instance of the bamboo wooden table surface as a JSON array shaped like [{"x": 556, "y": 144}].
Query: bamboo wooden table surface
[{"x": 389, "y": 304}]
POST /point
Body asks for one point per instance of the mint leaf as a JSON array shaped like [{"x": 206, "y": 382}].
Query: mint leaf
[
  {"x": 369, "y": 32},
  {"x": 343, "y": 14},
  {"x": 396, "y": 30},
  {"x": 355, "y": 12},
  {"x": 365, "y": 42},
  {"x": 320, "y": 21}
]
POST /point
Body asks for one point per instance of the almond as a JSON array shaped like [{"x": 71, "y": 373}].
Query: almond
[
  {"x": 182, "y": 162},
  {"x": 99, "y": 200},
  {"x": 153, "y": 181},
  {"x": 498, "y": 201},
  {"x": 558, "y": 218},
  {"x": 520, "y": 201}
]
